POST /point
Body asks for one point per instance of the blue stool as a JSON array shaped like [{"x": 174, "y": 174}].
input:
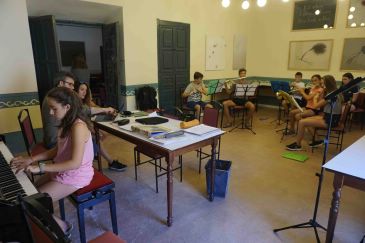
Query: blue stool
[{"x": 100, "y": 189}]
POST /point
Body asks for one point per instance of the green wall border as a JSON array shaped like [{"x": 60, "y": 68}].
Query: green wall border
[{"x": 18, "y": 99}]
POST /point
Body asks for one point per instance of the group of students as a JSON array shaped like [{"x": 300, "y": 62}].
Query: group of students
[
  {"x": 196, "y": 89},
  {"x": 69, "y": 138},
  {"x": 316, "y": 110}
]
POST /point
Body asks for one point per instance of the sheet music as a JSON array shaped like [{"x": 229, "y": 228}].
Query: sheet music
[
  {"x": 245, "y": 90},
  {"x": 201, "y": 129}
]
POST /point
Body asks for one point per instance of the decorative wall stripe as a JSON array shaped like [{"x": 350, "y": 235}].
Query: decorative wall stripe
[{"x": 18, "y": 100}]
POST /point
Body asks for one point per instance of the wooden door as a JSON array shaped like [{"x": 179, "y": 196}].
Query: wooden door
[
  {"x": 173, "y": 61},
  {"x": 45, "y": 51}
]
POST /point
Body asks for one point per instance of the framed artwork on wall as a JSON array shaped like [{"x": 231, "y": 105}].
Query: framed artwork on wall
[
  {"x": 215, "y": 53},
  {"x": 310, "y": 55},
  {"x": 353, "y": 54},
  {"x": 314, "y": 14}
]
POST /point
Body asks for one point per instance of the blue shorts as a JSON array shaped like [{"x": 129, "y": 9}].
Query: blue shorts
[{"x": 192, "y": 104}]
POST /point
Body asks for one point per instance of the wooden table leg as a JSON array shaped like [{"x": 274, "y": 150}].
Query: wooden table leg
[
  {"x": 169, "y": 160},
  {"x": 212, "y": 171},
  {"x": 97, "y": 138},
  {"x": 337, "y": 184}
]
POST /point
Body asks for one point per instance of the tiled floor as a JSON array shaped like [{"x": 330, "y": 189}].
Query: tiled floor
[{"x": 266, "y": 191}]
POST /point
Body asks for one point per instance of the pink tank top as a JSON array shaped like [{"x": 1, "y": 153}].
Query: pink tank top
[{"x": 81, "y": 176}]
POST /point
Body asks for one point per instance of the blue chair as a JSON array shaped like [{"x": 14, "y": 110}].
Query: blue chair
[{"x": 100, "y": 189}]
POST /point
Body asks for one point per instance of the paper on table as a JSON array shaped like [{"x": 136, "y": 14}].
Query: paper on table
[{"x": 201, "y": 129}]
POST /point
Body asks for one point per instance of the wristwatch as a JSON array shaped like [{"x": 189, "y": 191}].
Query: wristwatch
[{"x": 41, "y": 167}]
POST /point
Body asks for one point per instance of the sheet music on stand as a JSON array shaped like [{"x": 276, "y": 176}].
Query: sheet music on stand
[
  {"x": 216, "y": 86},
  {"x": 289, "y": 98},
  {"x": 244, "y": 90}
]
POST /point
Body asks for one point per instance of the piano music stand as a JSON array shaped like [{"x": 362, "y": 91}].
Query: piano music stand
[
  {"x": 244, "y": 90},
  {"x": 276, "y": 86}
]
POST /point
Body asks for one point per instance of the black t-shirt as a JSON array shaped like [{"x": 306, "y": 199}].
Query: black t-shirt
[{"x": 348, "y": 94}]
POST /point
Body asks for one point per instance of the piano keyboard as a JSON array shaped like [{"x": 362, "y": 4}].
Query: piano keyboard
[{"x": 11, "y": 184}]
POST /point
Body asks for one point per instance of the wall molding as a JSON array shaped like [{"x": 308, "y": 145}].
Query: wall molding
[{"x": 18, "y": 100}]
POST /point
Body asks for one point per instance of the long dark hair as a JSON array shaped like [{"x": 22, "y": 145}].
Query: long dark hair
[
  {"x": 66, "y": 96},
  {"x": 87, "y": 99},
  {"x": 330, "y": 84}
]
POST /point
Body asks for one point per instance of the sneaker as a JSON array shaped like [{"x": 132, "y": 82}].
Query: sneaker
[
  {"x": 293, "y": 147},
  {"x": 316, "y": 144},
  {"x": 117, "y": 166}
]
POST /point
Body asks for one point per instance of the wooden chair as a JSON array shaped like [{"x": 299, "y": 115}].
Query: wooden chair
[
  {"x": 33, "y": 148},
  {"x": 154, "y": 159},
  {"x": 44, "y": 229},
  {"x": 210, "y": 118},
  {"x": 186, "y": 113},
  {"x": 359, "y": 110},
  {"x": 100, "y": 189},
  {"x": 338, "y": 132}
]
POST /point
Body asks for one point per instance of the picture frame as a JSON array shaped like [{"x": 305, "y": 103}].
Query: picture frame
[
  {"x": 356, "y": 14},
  {"x": 314, "y": 14},
  {"x": 353, "y": 54},
  {"x": 310, "y": 55}
]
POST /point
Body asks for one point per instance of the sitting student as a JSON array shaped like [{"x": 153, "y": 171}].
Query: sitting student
[
  {"x": 194, "y": 92},
  {"x": 90, "y": 108},
  {"x": 315, "y": 93},
  {"x": 237, "y": 101},
  {"x": 320, "y": 121},
  {"x": 50, "y": 123},
  {"x": 73, "y": 155},
  {"x": 295, "y": 86},
  {"x": 350, "y": 96}
]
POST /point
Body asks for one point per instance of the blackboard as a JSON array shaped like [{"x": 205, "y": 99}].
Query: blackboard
[{"x": 305, "y": 14}]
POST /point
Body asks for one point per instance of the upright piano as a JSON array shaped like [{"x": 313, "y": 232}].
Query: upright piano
[{"x": 13, "y": 226}]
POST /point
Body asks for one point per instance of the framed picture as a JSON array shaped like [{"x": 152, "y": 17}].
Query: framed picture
[
  {"x": 310, "y": 55},
  {"x": 314, "y": 14},
  {"x": 215, "y": 53},
  {"x": 356, "y": 14},
  {"x": 353, "y": 54}
]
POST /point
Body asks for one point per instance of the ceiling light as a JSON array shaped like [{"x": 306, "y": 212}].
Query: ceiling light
[
  {"x": 261, "y": 3},
  {"x": 362, "y": 24},
  {"x": 285, "y": 1},
  {"x": 226, "y": 3},
  {"x": 325, "y": 26},
  {"x": 353, "y": 25},
  {"x": 245, "y": 4},
  {"x": 317, "y": 12},
  {"x": 352, "y": 9},
  {"x": 350, "y": 16}
]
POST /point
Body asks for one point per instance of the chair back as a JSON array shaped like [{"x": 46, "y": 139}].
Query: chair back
[
  {"x": 344, "y": 115},
  {"x": 41, "y": 224},
  {"x": 360, "y": 101},
  {"x": 27, "y": 129},
  {"x": 210, "y": 117}
]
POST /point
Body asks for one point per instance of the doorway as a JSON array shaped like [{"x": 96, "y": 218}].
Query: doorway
[{"x": 173, "y": 40}]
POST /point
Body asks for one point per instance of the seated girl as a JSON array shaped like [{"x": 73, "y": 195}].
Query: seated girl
[
  {"x": 315, "y": 93},
  {"x": 320, "y": 121},
  {"x": 73, "y": 155}
]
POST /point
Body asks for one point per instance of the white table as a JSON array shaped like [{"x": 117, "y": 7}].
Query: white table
[
  {"x": 349, "y": 169},
  {"x": 169, "y": 151}
]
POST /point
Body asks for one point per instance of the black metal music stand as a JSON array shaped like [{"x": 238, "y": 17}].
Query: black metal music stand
[
  {"x": 276, "y": 86},
  {"x": 242, "y": 124},
  {"x": 312, "y": 223}
]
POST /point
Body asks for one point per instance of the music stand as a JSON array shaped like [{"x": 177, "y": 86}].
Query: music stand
[
  {"x": 291, "y": 100},
  {"x": 276, "y": 86},
  {"x": 244, "y": 90}
]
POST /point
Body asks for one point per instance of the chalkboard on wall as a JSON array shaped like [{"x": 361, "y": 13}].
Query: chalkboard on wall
[{"x": 314, "y": 14}]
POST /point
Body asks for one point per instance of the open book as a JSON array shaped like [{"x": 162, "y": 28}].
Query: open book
[{"x": 201, "y": 129}]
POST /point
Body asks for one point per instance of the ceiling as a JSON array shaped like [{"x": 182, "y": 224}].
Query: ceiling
[{"x": 73, "y": 10}]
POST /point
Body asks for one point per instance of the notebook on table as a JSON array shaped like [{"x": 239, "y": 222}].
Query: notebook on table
[{"x": 152, "y": 120}]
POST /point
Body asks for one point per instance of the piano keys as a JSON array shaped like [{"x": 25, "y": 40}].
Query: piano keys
[{"x": 11, "y": 184}]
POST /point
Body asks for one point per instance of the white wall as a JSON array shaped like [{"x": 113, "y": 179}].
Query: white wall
[
  {"x": 92, "y": 36},
  {"x": 16, "y": 61}
]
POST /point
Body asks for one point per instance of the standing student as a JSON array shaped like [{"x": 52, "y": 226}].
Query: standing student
[
  {"x": 73, "y": 155},
  {"x": 195, "y": 91},
  {"x": 315, "y": 95},
  {"x": 84, "y": 93},
  {"x": 236, "y": 100},
  {"x": 320, "y": 121},
  {"x": 50, "y": 123}
]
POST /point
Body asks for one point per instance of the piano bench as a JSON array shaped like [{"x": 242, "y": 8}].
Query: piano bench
[{"x": 100, "y": 189}]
